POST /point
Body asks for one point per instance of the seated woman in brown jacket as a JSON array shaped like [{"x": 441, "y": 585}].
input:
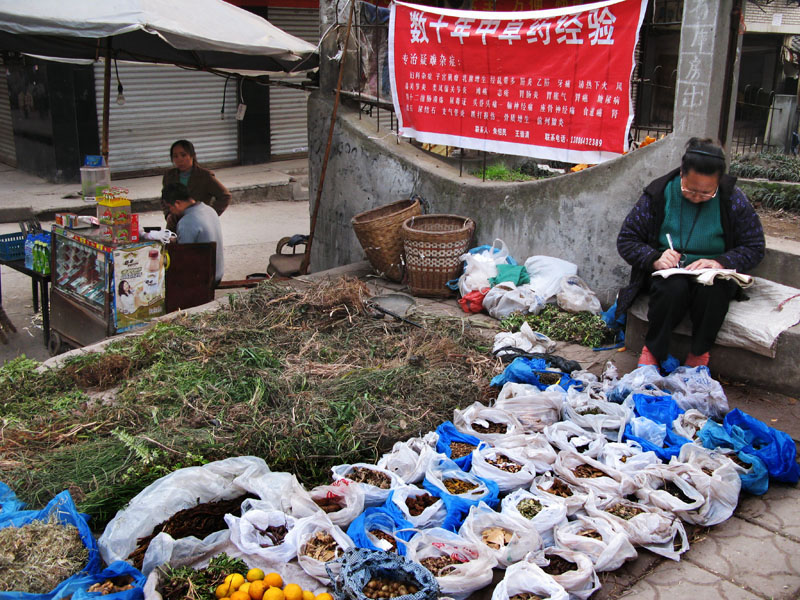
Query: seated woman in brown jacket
[{"x": 203, "y": 185}]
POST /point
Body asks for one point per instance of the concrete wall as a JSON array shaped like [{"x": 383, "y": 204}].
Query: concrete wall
[
  {"x": 575, "y": 217},
  {"x": 778, "y": 17}
]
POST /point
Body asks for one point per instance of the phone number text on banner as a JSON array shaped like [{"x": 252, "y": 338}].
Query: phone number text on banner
[{"x": 551, "y": 84}]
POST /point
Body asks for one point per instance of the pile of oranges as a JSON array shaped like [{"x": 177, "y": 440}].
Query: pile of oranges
[{"x": 257, "y": 586}]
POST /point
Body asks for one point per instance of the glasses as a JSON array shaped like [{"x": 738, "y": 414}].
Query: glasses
[{"x": 703, "y": 195}]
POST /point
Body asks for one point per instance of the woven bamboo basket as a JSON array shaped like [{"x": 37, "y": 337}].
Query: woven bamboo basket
[
  {"x": 378, "y": 232},
  {"x": 432, "y": 245}
]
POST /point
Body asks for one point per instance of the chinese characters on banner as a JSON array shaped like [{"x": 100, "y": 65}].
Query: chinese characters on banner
[{"x": 551, "y": 84}]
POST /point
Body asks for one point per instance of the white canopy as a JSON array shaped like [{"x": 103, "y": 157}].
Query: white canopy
[{"x": 205, "y": 34}]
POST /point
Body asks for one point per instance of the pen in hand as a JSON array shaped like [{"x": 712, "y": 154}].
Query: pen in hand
[{"x": 669, "y": 241}]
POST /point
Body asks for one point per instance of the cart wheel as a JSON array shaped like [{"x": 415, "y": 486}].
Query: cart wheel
[{"x": 56, "y": 345}]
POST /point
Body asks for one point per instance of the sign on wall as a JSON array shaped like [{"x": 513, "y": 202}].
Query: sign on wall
[{"x": 551, "y": 84}]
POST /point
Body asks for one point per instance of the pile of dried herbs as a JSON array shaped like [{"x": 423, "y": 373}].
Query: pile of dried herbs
[
  {"x": 36, "y": 557},
  {"x": 195, "y": 584},
  {"x": 302, "y": 376},
  {"x": 582, "y": 328}
]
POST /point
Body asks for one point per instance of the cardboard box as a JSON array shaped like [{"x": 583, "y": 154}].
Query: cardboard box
[
  {"x": 116, "y": 234},
  {"x": 114, "y": 211}
]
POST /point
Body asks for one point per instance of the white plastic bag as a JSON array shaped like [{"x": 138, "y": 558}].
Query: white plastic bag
[
  {"x": 474, "y": 570},
  {"x": 611, "y": 483},
  {"x": 408, "y": 460},
  {"x": 480, "y": 267},
  {"x": 526, "y": 340},
  {"x": 580, "y": 582},
  {"x": 567, "y": 436},
  {"x": 575, "y": 296},
  {"x": 645, "y": 379},
  {"x": 546, "y": 273},
  {"x": 693, "y": 387},
  {"x": 534, "y": 447},
  {"x": 720, "y": 489},
  {"x": 556, "y": 489},
  {"x": 597, "y": 414},
  {"x": 477, "y": 418},
  {"x": 664, "y": 487},
  {"x": 524, "y": 538},
  {"x": 627, "y": 457},
  {"x": 348, "y": 495},
  {"x": 373, "y": 495},
  {"x": 431, "y": 516},
  {"x": 186, "y": 488},
  {"x": 307, "y": 528},
  {"x": 444, "y": 468},
  {"x": 553, "y": 512},
  {"x": 506, "y": 481},
  {"x": 607, "y": 547},
  {"x": 651, "y": 528},
  {"x": 528, "y": 578},
  {"x": 507, "y": 298},
  {"x": 246, "y": 534},
  {"x": 689, "y": 423},
  {"x": 535, "y": 409},
  {"x": 649, "y": 430}
]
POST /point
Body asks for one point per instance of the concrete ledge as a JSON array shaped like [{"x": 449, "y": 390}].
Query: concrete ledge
[
  {"x": 778, "y": 374},
  {"x": 781, "y": 262}
]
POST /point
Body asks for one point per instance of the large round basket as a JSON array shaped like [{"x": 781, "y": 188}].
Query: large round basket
[
  {"x": 378, "y": 232},
  {"x": 432, "y": 245}
]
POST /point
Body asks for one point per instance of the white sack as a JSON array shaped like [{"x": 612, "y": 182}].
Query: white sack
[
  {"x": 506, "y": 481},
  {"x": 689, "y": 423},
  {"x": 613, "y": 483},
  {"x": 526, "y": 340},
  {"x": 525, "y": 538},
  {"x": 349, "y": 495},
  {"x": 546, "y": 273},
  {"x": 304, "y": 530},
  {"x": 408, "y": 460},
  {"x": 431, "y": 516},
  {"x": 528, "y": 578},
  {"x": 581, "y": 582},
  {"x": 693, "y": 387},
  {"x": 480, "y": 267},
  {"x": 481, "y": 415},
  {"x": 553, "y": 512},
  {"x": 245, "y": 533},
  {"x": 543, "y": 486},
  {"x": 608, "y": 553},
  {"x": 535, "y": 409},
  {"x": 576, "y": 296},
  {"x": 373, "y": 495},
  {"x": 186, "y": 488},
  {"x": 507, "y": 298},
  {"x": 569, "y": 437},
  {"x": 534, "y": 447},
  {"x": 475, "y": 570}
]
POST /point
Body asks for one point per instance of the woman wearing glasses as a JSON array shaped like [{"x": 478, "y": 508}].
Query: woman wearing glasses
[{"x": 693, "y": 217}]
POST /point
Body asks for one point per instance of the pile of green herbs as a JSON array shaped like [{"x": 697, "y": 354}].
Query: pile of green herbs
[
  {"x": 197, "y": 584},
  {"x": 306, "y": 379},
  {"x": 582, "y": 328}
]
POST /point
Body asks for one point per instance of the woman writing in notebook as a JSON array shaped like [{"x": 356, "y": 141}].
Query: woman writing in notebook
[{"x": 696, "y": 218}]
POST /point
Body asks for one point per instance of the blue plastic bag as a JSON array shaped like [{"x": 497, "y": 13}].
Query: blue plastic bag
[
  {"x": 77, "y": 586},
  {"x": 661, "y": 409},
  {"x": 447, "y": 435},
  {"x": 63, "y": 509},
  {"x": 380, "y": 518},
  {"x": 9, "y": 503},
  {"x": 772, "y": 446},
  {"x": 756, "y": 480},
  {"x": 530, "y": 371},
  {"x": 428, "y": 520},
  {"x": 458, "y": 506}
]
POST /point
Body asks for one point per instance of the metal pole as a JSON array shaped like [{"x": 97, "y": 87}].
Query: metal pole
[{"x": 307, "y": 258}]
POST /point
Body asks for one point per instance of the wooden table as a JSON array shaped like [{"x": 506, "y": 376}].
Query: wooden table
[{"x": 39, "y": 286}]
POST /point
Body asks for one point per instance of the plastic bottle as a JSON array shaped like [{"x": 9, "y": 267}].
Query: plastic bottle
[
  {"x": 46, "y": 265},
  {"x": 29, "y": 251},
  {"x": 37, "y": 256}
]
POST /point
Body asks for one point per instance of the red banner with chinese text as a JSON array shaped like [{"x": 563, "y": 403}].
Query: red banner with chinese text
[{"x": 551, "y": 84}]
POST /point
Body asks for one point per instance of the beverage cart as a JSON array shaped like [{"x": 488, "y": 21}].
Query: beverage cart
[{"x": 101, "y": 288}]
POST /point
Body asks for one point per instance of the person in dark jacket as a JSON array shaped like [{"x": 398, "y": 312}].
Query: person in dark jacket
[
  {"x": 711, "y": 224},
  {"x": 203, "y": 185}
]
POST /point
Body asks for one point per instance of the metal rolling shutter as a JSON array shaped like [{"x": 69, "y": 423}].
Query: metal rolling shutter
[
  {"x": 287, "y": 107},
  {"x": 8, "y": 153},
  {"x": 163, "y": 104}
]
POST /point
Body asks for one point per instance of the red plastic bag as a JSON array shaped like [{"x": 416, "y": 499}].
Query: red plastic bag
[{"x": 473, "y": 301}]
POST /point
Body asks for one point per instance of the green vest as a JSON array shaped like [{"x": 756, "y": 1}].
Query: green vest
[{"x": 696, "y": 229}]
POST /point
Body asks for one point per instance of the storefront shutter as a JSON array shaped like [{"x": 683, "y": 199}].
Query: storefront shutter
[
  {"x": 288, "y": 107},
  {"x": 8, "y": 152},
  {"x": 163, "y": 104}
]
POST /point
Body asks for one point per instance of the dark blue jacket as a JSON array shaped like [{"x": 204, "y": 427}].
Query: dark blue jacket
[{"x": 637, "y": 241}]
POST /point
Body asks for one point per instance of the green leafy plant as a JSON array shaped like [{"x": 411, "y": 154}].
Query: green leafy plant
[{"x": 582, "y": 328}]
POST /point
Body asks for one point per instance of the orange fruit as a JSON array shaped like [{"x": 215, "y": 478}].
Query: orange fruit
[
  {"x": 308, "y": 595},
  {"x": 255, "y": 575},
  {"x": 224, "y": 590},
  {"x": 239, "y": 595},
  {"x": 257, "y": 589},
  {"x": 273, "y": 580},
  {"x": 322, "y": 596},
  {"x": 236, "y": 580},
  {"x": 293, "y": 592},
  {"x": 245, "y": 587},
  {"x": 273, "y": 593}
]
